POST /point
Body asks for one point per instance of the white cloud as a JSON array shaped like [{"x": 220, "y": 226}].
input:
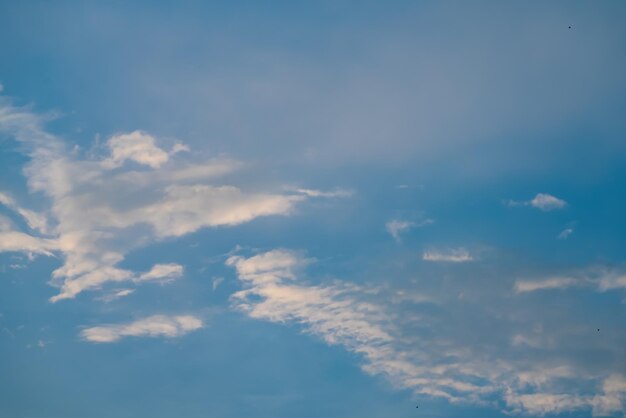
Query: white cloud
[
  {"x": 547, "y": 202},
  {"x": 137, "y": 146},
  {"x": 610, "y": 401},
  {"x": 186, "y": 209},
  {"x": 35, "y": 221},
  {"x": 21, "y": 242},
  {"x": 348, "y": 315},
  {"x": 153, "y": 326},
  {"x": 564, "y": 234},
  {"x": 545, "y": 403},
  {"x": 396, "y": 227},
  {"x": 602, "y": 279},
  {"x": 5, "y": 224},
  {"x": 320, "y": 193},
  {"x": 97, "y": 276},
  {"x": 117, "y": 294},
  {"x": 100, "y": 214},
  {"x": 614, "y": 398},
  {"x": 179, "y": 147},
  {"x": 329, "y": 312},
  {"x": 542, "y": 201},
  {"x": 459, "y": 255},
  {"x": 524, "y": 286},
  {"x": 216, "y": 282},
  {"x": 162, "y": 273},
  {"x": 612, "y": 280}
]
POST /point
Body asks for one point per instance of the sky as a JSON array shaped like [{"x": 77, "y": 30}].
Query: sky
[{"x": 331, "y": 208}]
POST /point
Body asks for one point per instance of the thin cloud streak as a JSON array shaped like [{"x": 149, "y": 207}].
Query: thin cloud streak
[
  {"x": 347, "y": 315},
  {"x": 397, "y": 227},
  {"x": 542, "y": 201},
  {"x": 153, "y": 326},
  {"x": 459, "y": 255},
  {"x": 95, "y": 203}
]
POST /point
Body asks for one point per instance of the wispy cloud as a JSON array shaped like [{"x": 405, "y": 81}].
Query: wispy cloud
[
  {"x": 116, "y": 294},
  {"x": 458, "y": 255},
  {"x": 349, "y": 315},
  {"x": 153, "y": 326},
  {"x": 564, "y": 234},
  {"x": 35, "y": 221},
  {"x": 137, "y": 146},
  {"x": 397, "y": 227},
  {"x": 321, "y": 193},
  {"x": 95, "y": 203},
  {"x": 600, "y": 279},
  {"x": 543, "y": 201},
  {"x": 216, "y": 282},
  {"x": 162, "y": 273},
  {"x": 21, "y": 242},
  {"x": 524, "y": 286}
]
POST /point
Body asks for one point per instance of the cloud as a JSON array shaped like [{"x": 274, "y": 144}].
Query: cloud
[
  {"x": 5, "y": 224},
  {"x": 320, "y": 193},
  {"x": 162, "y": 273},
  {"x": 522, "y": 286},
  {"x": 459, "y": 255},
  {"x": 100, "y": 214},
  {"x": 153, "y": 326},
  {"x": 610, "y": 401},
  {"x": 329, "y": 312},
  {"x": 35, "y": 221},
  {"x": 137, "y": 146},
  {"x": 612, "y": 280},
  {"x": 602, "y": 279},
  {"x": 179, "y": 147},
  {"x": 95, "y": 278},
  {"x": 117, "y": 294},
  {"x": 564, "y": 234},
  {"x": 396, "y": 227},
  {"x": 358, "y": 319},
  {"x": 216, "y": 282},
  {"x": 21, "y": 242},
  {"x": 547, "y": 202},
  {"x": 542, "y": 201}
]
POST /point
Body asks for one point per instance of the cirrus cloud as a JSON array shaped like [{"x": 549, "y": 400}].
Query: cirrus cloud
[
  {"x": 98, "y": 214},
  {"x": 153, "y": 326}
]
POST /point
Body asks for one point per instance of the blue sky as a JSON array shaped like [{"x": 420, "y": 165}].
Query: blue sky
[{"x": 278, "y": 209}]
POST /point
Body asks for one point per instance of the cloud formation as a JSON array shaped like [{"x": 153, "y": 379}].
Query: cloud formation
[
  {"x": 397, "y": 227},
  {"x": 543, "y": 201},
  {"x": 564, "y": 234},
  {"x": 152, "y": 326},
  {"x": 356, "y": 318},
  {"x": 162, "y": 273},
  {"x": 35, "y": 221},
  {"x": 523, "y": 286},
  {"x": 458, "y": 255},
  {"x": 116, "y": 294},
  {"x": 137, "y": 146},
  {"x": 321, "y": 193},
  {"x": 602, "y": 279},
  {"x": 101, "y": 208}
]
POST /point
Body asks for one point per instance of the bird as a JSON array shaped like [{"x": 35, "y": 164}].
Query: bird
[
  {"x": 569, "y": 27},
  {"x": 417, "y": 406},
  {"x": 598, "y": 329}
]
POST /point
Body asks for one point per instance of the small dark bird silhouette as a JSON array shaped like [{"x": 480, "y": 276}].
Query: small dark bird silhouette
[
  {"x": 598, "y": 329},
  {"x": 417, "y": 406},
  {"x": 569, "y": 27}
]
